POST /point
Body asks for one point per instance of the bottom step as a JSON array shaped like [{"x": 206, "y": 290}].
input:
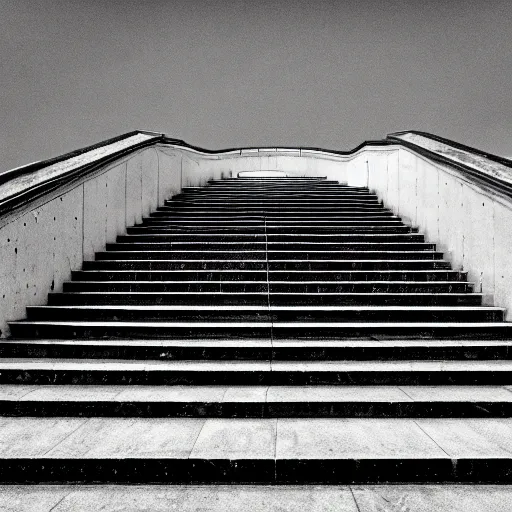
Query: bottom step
[
  {"x": 291, "y": 451},
  {"x": 260, "y": 498}
]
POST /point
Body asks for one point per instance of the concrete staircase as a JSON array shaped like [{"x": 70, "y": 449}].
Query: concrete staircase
[{"x": 273, "y": 330}]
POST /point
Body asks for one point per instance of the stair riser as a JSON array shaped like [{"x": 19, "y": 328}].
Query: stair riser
[
  {"x": 119, "y": 409},
  {"x": 272, "y": 210},
  {"x": 270, "y": 255},
  {"x": 270, "y": 230},
  {"x": 183, "y": 275},
  {"x": 274, "y": 378},
  {"x": 279, "y": 196},
  {"x": 272, "y": 246},
  {"x": 254, "y": 287},
  {"x": 237, "y": 223},
  {"x": 233, "y": 315},
  {"x": 263, "y": 299},
  {"x": 272, "y": 266},
  {"x": 251, "y": 237},
  {"x": 24, "y": 330},
  {"x": 247, "y": 353}
]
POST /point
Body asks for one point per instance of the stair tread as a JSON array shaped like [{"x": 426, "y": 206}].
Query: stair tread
[
  {"x": 246, "y": 439},
  {"x": 349, "y": 294},
  {"x": 387, "y": 325},
  {"x": 261, "y": 343},
  {"x": 124, "y": 365},
  {"x": 220, "y": 307},
  {"x": 254, "y": 394}
]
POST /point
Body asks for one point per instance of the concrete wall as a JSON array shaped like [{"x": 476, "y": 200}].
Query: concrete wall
[
  {"x": 472, "y": 224},
  {"x": 42, "y": 243}
]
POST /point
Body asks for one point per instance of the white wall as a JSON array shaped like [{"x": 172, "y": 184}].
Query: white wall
[
  {"x": 41, "y": 244},
  {"x": 472, "y": 224}
]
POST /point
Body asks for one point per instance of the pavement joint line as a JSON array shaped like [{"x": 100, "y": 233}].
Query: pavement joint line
[
  {"x": 405, "y": 393},
  {"x": 198, "y": 434},
  {"x": 86, "y": 420},
  {"x": 61, "y": 500},
  {"x": 28, "y": 393},
  {"x": 432, "y": 439},
  {"x": 354, "y": 498}
]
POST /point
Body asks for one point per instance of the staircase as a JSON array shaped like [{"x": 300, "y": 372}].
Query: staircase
[{"x": 272, "y": 330}]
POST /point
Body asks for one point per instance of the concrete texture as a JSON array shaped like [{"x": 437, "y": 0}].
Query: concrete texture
[
  {"x": 46, "y": 239},
  {"x": 219, "y": 498},
  {"x": 243, "y": 439},
  {"x": 470, "y": 223}
]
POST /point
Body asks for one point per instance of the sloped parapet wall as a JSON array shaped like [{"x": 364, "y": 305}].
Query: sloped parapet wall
[{"x": 461, "y": 198}]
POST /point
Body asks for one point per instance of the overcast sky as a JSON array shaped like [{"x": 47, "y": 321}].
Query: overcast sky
[{"x": 237, "y": 73}]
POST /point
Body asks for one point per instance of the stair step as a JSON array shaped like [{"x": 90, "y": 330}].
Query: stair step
[
  {"x": 247, "y": 330},
  {"x": 249, "y": 255},
  {"x": 271, "y": 266},
  {"x": 294, "y": 373},
  {"x": 357, "y": 349},
  {"x": 263, "y": 275},
  {"x": 264, "y": 313},
  {"x": 273, "y": 246},
  {"x": 263, "y": 297},
  {"x": 256, "y": 401},
  {"x": 261, "y": 237},
  {"x": 218, "y": 229},
  {"x": 275, "y": 287}
]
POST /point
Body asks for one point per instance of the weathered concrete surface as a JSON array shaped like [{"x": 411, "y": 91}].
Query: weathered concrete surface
[
  {"x": 184, "y": 498},
  {"x": 42, "y": 244},
  {"x": 37, "y": 253},
  {"x": 20, "y": 183},
  {"x": 460, "y": 156},
  {"x": 469, "y": 222},
  {"x": 222, "y": 498}
]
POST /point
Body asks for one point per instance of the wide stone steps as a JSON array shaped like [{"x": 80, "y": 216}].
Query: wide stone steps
[{"x": 274, "y": 330}]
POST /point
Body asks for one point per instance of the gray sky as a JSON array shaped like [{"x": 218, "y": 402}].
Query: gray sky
[{"x": 236, "y": 73}]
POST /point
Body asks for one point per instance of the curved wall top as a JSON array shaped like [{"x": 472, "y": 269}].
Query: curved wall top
[{"x": 22, "y": 184}]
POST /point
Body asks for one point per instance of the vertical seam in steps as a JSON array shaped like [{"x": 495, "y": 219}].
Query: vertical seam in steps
[
  {"x": 268, "y": 296},
  {"x": 87, "y": 420},
  {"x": 433, "y": 440},
  {"x": 354, "y": 498},
  {"x": 275, "y": 452},
  {"x": 27, "y": 393},
  {"x": 198, "y": 434},
  {"x": 61, "y": 500},
  {"x": 405, "y": 393}
]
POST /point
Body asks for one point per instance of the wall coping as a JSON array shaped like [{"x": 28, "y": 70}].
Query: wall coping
[{"x": 22, "y": 184}]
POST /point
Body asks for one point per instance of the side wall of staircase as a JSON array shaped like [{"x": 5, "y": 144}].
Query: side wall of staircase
[{"x": 43, "y": 239}]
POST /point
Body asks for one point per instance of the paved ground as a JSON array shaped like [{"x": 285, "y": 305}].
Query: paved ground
[{"x": 385, "y": 498}]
